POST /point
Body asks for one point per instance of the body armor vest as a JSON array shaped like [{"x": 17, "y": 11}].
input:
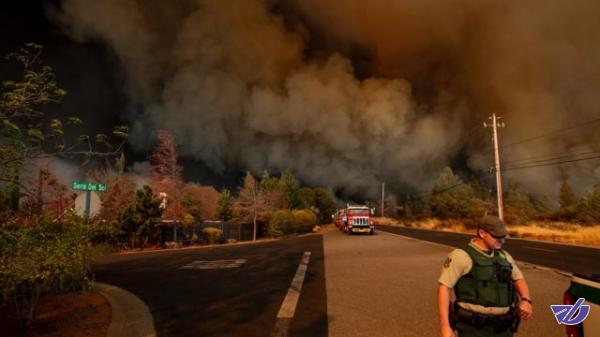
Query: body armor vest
[{"x": 488, "y": 283}]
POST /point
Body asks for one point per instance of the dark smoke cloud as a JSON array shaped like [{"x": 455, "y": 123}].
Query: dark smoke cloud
[{"x": 272, "y": 85}]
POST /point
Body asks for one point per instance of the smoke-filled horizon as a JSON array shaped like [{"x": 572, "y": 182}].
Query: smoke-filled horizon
[{"x": 351, "y": 93}]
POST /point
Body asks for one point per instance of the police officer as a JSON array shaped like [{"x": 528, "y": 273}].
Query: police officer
[{"x": 491, "y": 292}]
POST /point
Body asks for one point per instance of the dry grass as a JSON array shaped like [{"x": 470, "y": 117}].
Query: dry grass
[
  {"x": 558, "y": 232},
  {"x": 563, "y": 232}
]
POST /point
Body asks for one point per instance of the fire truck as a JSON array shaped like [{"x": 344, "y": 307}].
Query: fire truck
[{"x": 358, "y": 220}]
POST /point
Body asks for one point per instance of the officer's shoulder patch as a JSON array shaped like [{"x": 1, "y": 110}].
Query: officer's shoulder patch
[{"x": 447, "y": 262}]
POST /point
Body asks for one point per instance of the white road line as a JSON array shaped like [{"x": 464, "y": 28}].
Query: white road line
[
  {"x": 288, "y": 307},
  {"x": 542, "y": 249}
]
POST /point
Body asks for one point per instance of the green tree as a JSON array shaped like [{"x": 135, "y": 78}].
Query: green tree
[
  {"x": 191, "y": 201},
  {"x": 282, "y": 223},
  {"x": 414, "y": 206},
  {"x": 289, "y": 186},
  {"x": 567, "y": 201},
  {"x": 567, "y": 196},
  {"x": 40, "y": 252},
  {"x": 305, "y": 219},
  {"x": 139, "y": 218},
  {"x": 224, "y": 211},
  {"x": 274, "y": 196},
  {"x": 542, "y": 204},
  {"x": 42, "y": 258},
  {"x": 325, "y": 204},
  {"x": 518, "y": 205},
  {"x": 451, "y": 197},
  {"x": 588, "y": 208},
  {"x": 268, "y": 182},
  {"x": 306, "y": 198}
]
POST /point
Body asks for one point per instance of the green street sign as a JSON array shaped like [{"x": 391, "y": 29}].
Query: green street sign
[{"x": 83, "y": 186}]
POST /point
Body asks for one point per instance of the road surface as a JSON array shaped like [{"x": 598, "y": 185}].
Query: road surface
[
  {"x": 385, "y": 285},
  {"x": 360, "y": 285},
  {"x": 569, "y": 258}
]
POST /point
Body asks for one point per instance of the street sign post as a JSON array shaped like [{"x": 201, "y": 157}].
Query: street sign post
[{"x": 88, "y": 188}]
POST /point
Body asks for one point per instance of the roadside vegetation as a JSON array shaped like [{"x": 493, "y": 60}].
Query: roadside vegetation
[
  {"x": 44, "y": 247},
  {"x": 454, "y": 204}
]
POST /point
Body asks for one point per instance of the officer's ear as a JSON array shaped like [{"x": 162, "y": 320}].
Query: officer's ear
[{"x": 479, "y": 233}]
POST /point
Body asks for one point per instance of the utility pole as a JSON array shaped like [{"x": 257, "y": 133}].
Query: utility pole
[
  {"x": 495, "y": 125},
  {"x": 382, "y": 198}
]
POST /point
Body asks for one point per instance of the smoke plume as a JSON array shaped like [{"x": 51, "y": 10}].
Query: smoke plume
[{"x": 352, "y": 93}]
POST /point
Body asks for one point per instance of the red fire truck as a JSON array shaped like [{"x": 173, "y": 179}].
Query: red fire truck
[{"x": 358, "y": 220}]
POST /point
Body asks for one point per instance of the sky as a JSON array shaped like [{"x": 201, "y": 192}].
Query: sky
[{"x": 346, "y": 94}]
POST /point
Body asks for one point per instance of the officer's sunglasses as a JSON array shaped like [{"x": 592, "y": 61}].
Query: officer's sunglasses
[{"x": 498, "y": 238}]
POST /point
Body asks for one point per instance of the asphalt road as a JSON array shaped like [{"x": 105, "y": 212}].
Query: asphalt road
[
  {"x": 242, "y": 300},
  {"x": 569, "y": 258},
  {"x": 385, "y": 286},
  {"x": 360, "y": 285}
]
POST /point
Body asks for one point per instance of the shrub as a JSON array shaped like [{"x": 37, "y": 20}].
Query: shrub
[
  {"x": 282, "y": 223},
  {"x": 212, "y": 235},
  {"x": 41, "y": 259},
  {"x": 305, "y": 220}
]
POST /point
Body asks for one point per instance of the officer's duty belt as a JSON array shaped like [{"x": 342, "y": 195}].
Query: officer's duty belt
[{"x": 510, "y": 320}]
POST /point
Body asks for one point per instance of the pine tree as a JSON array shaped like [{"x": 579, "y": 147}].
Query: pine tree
[
  {"x": 306, "y": 198},
  {"x": 451, "y": 197},
  {"x": 289, "y": 186},
  {"x": 191, "y": 201},
  {"x": 325, "y": 204},
  {"x": 224, "y": 211},
  {"x": 588, "y": 208},
  {"x": 567, "y": 196},
  {"x": 273, "y": 195},
  {"x": 139, "y": 218},
  {"x": 519, "y": 206}
]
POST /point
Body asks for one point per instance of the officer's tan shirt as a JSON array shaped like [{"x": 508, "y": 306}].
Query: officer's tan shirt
[{"x": 459, "y": 263}]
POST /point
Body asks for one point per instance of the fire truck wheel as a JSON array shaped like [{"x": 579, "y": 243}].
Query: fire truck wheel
[{"x": 349, "y": 231}]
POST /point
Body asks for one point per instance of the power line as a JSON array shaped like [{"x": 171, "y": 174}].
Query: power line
[
  {"x": 584, "y": 124},
  {"x": 549, "y": 157},
  {"x": 553, "y": 154},
  {"x": 549, "y": 164}
]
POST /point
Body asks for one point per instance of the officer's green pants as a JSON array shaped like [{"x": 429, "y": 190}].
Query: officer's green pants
[{"x": 466, "y": 330}]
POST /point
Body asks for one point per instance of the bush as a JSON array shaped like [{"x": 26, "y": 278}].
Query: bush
[
  {"x": 212, "y": 235},
  {"x": 305, "y": 220},
  {"x": 282, "y": 223},
  {"x": 41, "y": 259}
]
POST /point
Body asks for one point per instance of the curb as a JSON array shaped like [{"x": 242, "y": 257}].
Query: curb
[{"x": 130, "y": 315}]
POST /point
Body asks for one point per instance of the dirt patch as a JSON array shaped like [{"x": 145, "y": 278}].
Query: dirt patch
[{"x": 68, "y": 315}]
